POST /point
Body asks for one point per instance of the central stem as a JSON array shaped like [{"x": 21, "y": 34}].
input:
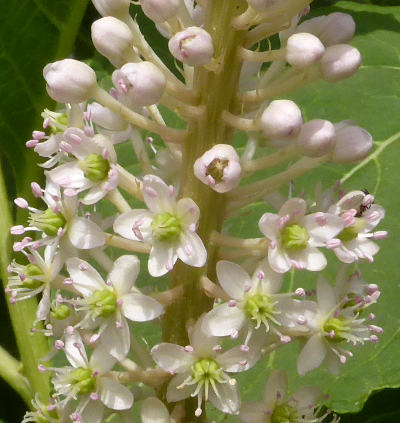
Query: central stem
[{"x": 217, "y": 93}]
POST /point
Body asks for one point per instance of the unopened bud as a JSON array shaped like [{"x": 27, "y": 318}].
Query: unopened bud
[
  {"x": 281, "y": 119},
  {"x": 160, "y": 10},
  {"x": 143, "y": 83},
  {"x": 316, "y": 138},
  {"x": 336, "y": 28},
  {"x": 352, "y": 143},
  {"x": 339, "y": 62},
  {"x": 303, "y": 50},
  {"x": 117, "y": 8},
  {"x": 113, "y": 39},
  {"x": 219, "y": 168},
  {"x": 69, "y": 81},
  {"x": 192, "y": 46}
]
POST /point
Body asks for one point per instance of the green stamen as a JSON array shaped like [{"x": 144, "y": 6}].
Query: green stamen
[
  {"x": 339, "y": 326},
  {"x": 102, "y": 303},
  {"x": 352, "y": 231},
  {"x": 60, "y": 312},
  {"x": 166, "y": 227},
  {"x": 49, "y": 222},
  {"x": 83, "y": 379},
  {"x": 260, "y": 309},
  {"x": 95, "y": 167},
  {"x": 32, "y": 270},
  {"x": 284, "y": 414},
  {"x": 294, "y": 237}
]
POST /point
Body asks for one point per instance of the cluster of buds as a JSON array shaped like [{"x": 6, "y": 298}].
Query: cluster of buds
[{"x": 187, "y": 186}]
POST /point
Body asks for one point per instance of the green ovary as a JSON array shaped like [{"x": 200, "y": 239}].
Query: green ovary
[
  {"x": 294, "y": 237},
  {"x": 166, "y": 227},
  {"x": 95, "y": 167},
  {"x": 340, "y": 328},
  {"x": 102, "y": 303},
  {"x": 32, "y": 270},
  {"x": 62, "y": 119},
  {"x": 216, "y": 169},
  {"x": 205, "y": 370},
  {"x": 60, "y": 312},
  {"x": 352, "y": 231},
  {"x": 49, "y": 222},
  {"x": 82, "y": 379},
  {"x": 259, "y": 308},
  {"x": 284, "y": 414}
]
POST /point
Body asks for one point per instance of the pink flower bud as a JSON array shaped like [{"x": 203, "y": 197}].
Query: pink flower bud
[
  {"x": 69, "y": 81},
  {"x": 352, "y": 143},
  {"x": 303, "y": 50},
  {"x": 143, "y": 83},
  {"x": 160, "y": 10},
  {"x": 336, "y": 28},
  {"x": 117, "y": 8},
  {"x": 339, "y": 62},
  {"x": 281, "y": 119},
  {"x": 261, "y": 5},
  {"x": 219, "y": 168},
  {"x": 316, "y": 138},
  {"x": 192, "y": 46},
  {"x": 113, "y": 39}
]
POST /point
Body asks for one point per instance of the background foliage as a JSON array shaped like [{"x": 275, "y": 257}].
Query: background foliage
[{"x": 35, "y": 32}]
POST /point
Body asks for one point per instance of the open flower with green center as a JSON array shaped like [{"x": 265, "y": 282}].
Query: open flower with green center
[
  {"x": 109, "y": 305},
  {"x": 294, "y": 237},
  {"x": 332, "y": 321},
  {"x": 202, "y": 370},
  {"x": 90, "y": 165},
  {"x": 88, "y": 386},
  {"x": 279, "y": 407},
  {"x": 360, "y": 217},
  {"x": 255, "y": 302},
  {"x": 169, "y": 226}
]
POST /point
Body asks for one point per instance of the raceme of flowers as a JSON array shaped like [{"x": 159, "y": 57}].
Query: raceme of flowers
[{"x": 227, "y": 307}]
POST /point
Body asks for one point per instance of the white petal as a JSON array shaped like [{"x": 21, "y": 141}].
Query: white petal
[
  {"x": 320, "y": 234},
  {"x": 43, "y": 308},
  {"x": 124, "y": 274},
  {"x": 368, "y": 247},
  {"x": 311, "y": 258},
  {"x": 101, "y": 360},
  {"x": 93, "y": 412},
  {"x": 307, "y": 397},
  {"x": 345, "y": 255},
  {"x": 158, "y": 196},
  {"x": 162, "y": 258},
  {"x": 312, "y": 355},
  {"x": 253, "y": 412},
  {"x": 223, "y": 320},
  {"x": 140, "y": 308},
  {"x": 69, "y": 175},
  {"x": 275, "y": 388},
  {"x": 230, "y": 360},
  {"x": 191, "y": 250},
  {"x": 228, "y": 400},
  {"x": 295, "y": 208},
  {"x": 272, "y": 282},
  {"x": 85, "y": 281},
  {"x": 233, "y": 279},
  {"x": 278, "y": 260},
  {"x": 326, "y": 297},
  {"x": 376, "y": 211},
  {"x": 154, "y": 411},
  {"x": 173, "y": 393},
  {"x": 202, "y": 342},
  {"x": 351, "y": 200},
  {"x": 94, "y": 195},
  {"x": 76, "y": 356},
  {"x": 85, "y": 234},
  {"x": 125, "y": 223},
  {"x": 269, "y": 225},
  {"x": 332, "y": 363},
  {"x": 188, "y": 211},
  {"x": 114, "y": 395},
  {"x": 172, "y": 358},
  {"x": 116, "y": 341}
]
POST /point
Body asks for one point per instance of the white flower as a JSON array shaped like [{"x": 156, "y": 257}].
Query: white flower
[
  {"x": 108, "y": 305},
  {"x": 89, "y": 382},
  {"x": 254, "y": 302},
  {"x": 278, "y": 407},
  {"x": 360, "y": 217},
  {"x": 169, "y": 225},
  {"x": 154, "y": 411},
  {"x": 201, "y": 370},
  {"x": 92, "y": 169},
  {"x": 295, "y": 236}
]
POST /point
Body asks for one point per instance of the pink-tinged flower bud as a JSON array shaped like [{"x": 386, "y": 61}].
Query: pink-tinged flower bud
[
  {"x": 316, "y": 138},
  {"x": 336, "y": 28},
  {"x": 117, "y": 8},
  {"x": 143, "y": 83},
  {"x": 219, "y": 168},
  {"x": 352, "y": 143},
  {"x": 339, "y": 62},
  {"x": 113, "y": 39},
  {"x": 303, "y": 50},
  {"x": 192, "y": 46},
  {"x": 104, "y": 117},
  {"x": 261, "y": 5},
  {"x": 69, "y": 81},
  {"x": 281, "y": 119},
  {"x": 160, "y": 10}
]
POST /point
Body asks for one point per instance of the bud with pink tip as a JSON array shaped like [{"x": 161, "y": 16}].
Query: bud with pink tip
[
  {"x": 261, "y": 5},
  {"x": 113, "y": 39},
  {"x": 336, "y": 28},
  {"x": 69, "y": 81},
  {"x": 281, "y": 120},
  {"x": 192, "y": 46},
  {"x": 117, "y": 8},
  {"x": 339, "y": 62},
  {"x": 352, "y": 143},
  {"x": 160, "y": 10},
  {"x": 303, "y": 50},
  {"x": 316, "y": 138},
  {"x": 142, "y": 83},
  {"x": 219, "y": 168}
]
